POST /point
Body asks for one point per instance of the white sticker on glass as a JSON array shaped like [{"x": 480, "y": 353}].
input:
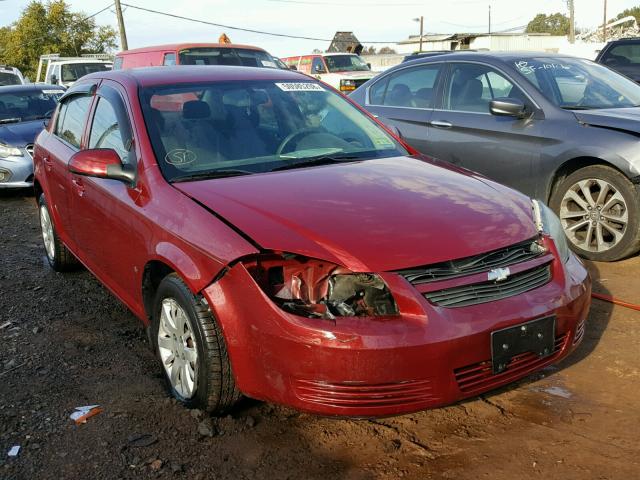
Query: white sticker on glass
[{"x": 300, "y": 87}]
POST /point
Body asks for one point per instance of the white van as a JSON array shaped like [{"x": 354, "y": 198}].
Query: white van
[{"x": 10, "y": 76}]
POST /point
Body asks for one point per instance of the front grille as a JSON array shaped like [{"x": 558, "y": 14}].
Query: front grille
[
  {"x": 359, "y": 395},
  {"x": 491, "y": 291},
  {"x": 503, "y": 257},
  {"x": 29, "y": 149},
  {"x": 480, "y": 377}
]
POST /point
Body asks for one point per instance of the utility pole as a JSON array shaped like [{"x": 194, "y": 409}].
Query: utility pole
[
  {"x": 489, "y": 19},
  {"x": 421, "y": 20},
  {"x": 604, "y": 23},
  {"x": 572, "y": 23},
  {"x": 123, "y": 33}
]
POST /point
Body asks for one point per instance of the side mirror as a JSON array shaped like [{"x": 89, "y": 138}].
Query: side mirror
[
  {"x": 320, "y": 69},
  {"x": 101, "y": 163},
  {"x": 508, "y": 107},
  {"x": 54, "y": 79},
  {"x": 369, "y": 65},
  {"x": 292, "y": 67}
]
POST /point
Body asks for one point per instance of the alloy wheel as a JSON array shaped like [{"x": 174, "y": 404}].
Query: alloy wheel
[
  {"x": 594, "y": 215},
  {"x": 177, "y": 348},
  {"x": 47, "y": 232}
]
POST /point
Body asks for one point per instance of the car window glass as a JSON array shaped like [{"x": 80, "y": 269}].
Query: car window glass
[
  {"x": 472, "y": 86},
  {"x": 411, "y": 87},
  {"x": 105, "y": 131},
  {"x": 117, "y": 63},
  {"x": 256, "y": 126},
  {"x": 72, "y": 124},
  {"x": 317, "y": 65},
  {"x": 169, "y": 59},
  {"x": 576, "y": 83},
  {"x": 622, "y": 55}
]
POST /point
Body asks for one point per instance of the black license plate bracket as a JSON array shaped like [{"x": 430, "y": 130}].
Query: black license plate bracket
[{"x": 536, "y": 336}]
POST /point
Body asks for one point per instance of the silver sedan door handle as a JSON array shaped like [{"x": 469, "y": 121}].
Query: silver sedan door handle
[{"x": 441, "y": 124}]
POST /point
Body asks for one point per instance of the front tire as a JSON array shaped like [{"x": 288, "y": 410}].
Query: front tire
[
  {"x": 189, "y": 344},
  {"x": 598, "y": 208},
  {"x": 58, "y": 255}
]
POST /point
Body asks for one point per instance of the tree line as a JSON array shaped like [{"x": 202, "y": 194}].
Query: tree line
[{"x": 51, "y": 27}]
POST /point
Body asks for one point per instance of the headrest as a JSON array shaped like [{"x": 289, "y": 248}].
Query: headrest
[{"x": 195, "y": 109}]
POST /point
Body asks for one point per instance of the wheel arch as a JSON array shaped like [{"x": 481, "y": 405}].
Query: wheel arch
[{"x": 572, "y": 165}]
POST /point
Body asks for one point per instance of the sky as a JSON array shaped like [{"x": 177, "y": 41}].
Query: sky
[{"x": 370, "y": 20}]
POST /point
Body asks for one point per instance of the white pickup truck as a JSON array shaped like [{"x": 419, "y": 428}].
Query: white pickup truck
[
  {"x": 65, "y": 71},
  {"x": 343, "y": 71}
]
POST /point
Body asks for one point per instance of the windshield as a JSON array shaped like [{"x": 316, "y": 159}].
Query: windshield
[
  {"x": 577, "y": 84},
  {"x": 28, "y": 105},
  {"x": 255, "y": 127},
  {"x": 244, "y": 57},
  {"x": 345, "y": 63},
  {"x": 8, "y": 78},
  {"x": 73, "y": 71}
]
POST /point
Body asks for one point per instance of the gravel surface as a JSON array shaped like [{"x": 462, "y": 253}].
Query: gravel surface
[{"x": 65, "y": 342}]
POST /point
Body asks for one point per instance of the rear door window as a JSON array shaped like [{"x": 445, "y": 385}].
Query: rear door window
[
  {"x": 410, "y": 87},
  {"x": 72, "y": 119},
  {"x": 169, "y": 59}
]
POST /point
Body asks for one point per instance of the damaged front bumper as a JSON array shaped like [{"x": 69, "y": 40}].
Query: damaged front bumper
[{"x": 424, "y": 357}]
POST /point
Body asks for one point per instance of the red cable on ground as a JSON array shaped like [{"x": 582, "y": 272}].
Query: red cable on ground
[{"x": 609, "y": 299}]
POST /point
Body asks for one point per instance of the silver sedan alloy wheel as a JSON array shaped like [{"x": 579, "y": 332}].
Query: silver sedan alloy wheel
[
  {"x": 177, "y": 348},
  {"x": 594, "y": 215},
  {"x": 47, "y": 232}
]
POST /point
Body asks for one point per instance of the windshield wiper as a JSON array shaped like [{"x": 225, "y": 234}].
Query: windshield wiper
[
  {"x": 11, "y": 120},
  {"x": 317, "y": 161},
  {"x": 577, "y": 107},
  {"x": 210, "y": 174}
]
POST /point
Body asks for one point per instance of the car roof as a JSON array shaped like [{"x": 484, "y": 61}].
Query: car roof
[
  {"x": 500, "y": 56},
  {"x": 180, "y": 74},
  {"x": 30, "y": 87},
  {"x": 184, "y": 46}
]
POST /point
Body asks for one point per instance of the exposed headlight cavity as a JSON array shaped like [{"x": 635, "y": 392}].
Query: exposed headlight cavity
[
  {"x": 317, "y": 289},
  {"x": 548, "y": 223}
]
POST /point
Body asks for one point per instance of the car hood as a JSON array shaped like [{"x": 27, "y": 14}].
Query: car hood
[
  {"x": 356, "y": 75},
  {"x": 20, "y": 134},
  {"x": 369, "y": 216},
  {"x": 627, "y": 119}
]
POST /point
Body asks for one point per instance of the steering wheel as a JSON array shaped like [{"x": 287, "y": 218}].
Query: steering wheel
[{"x": 299, "y": 135}]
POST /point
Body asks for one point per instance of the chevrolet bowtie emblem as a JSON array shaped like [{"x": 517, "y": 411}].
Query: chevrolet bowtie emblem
[{"x": 499, "y": 274}]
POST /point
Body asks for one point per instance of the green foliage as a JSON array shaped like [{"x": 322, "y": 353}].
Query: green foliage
[
  {"x": 51, "y": 27},
  {"x": 634, "y": 12},
  {"x": 555, "y": 24}
]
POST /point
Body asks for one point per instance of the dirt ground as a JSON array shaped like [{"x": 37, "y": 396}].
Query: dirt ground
[{"x": 70, "y": 343}]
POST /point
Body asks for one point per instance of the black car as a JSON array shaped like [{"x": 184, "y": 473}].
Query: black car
[
  {"x": 622, "y": 56},
  {"x": 560, "y": 129}
]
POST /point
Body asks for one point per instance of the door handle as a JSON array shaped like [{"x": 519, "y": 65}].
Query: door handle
[
  {"x": 441, "y": 124},
  {"x": 48, "y": 164},
  {"x": 79, "y": 186}
]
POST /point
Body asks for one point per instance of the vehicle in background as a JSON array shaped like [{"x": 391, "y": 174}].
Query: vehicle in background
[
  {"x": 195, "y": 54},
  {"x": 65, "y": 71},
  {"x": 277, "y": 241},
  {"x": 558, "y": 128},
  {"x": 24, "y": 110},
  {"x": 343, "y": 71},
  {"x": 622, "y": 56},
  {"x": 281, "y": 65},
  {"x": 10, "y": 76}
]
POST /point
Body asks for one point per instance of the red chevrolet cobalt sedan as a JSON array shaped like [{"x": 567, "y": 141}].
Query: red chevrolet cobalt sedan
[{"x": 277, "y": 242}]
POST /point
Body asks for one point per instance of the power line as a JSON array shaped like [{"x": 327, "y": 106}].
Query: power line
[
  {"x": 230, "y": 27},
  {"x": 99, "y": 12}
]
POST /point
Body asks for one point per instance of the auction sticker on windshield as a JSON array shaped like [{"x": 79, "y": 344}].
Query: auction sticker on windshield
[{"x": 300, "y": 87}]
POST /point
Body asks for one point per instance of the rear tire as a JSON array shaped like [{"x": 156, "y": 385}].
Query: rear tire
[
  {"x": 191, "y": 349},
  {"x": 599, "y": 210},
  {"x": 58, "y": 255}
]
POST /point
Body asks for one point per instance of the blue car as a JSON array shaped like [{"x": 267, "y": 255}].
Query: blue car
[{"x": 24, "y": 110}]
